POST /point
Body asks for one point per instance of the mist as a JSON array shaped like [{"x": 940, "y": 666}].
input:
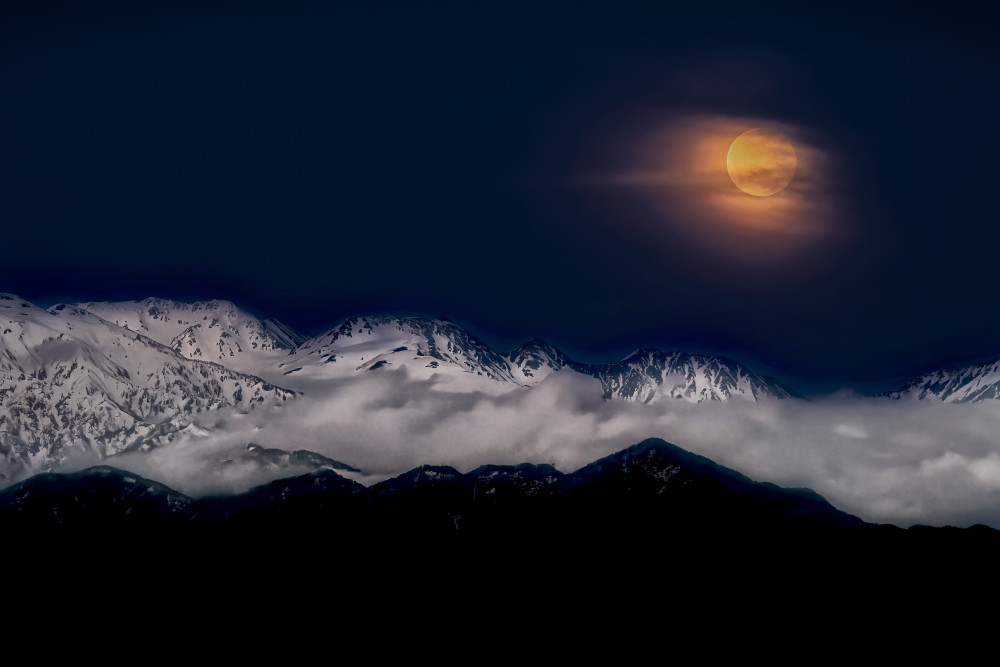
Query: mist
[{"x": 901, "y": 462}]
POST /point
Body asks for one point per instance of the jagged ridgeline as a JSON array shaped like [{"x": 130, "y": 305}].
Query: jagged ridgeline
[
  {"x": 654, "y": 510},
  {"x": 72, "y": 381},
  {"x": 101, "y": 378},
  {"x": 104, "y": 378},
  {"x": 652, "y": 481}
]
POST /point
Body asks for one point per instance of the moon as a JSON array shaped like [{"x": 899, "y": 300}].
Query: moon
[{"x": 761, "y": 162}]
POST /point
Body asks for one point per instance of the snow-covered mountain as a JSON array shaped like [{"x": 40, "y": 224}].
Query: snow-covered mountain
[
  {"x": 442, "y": 349},
  {"x": 106, "y": 377},
  {"x": 957, "y": 385},
  {"x": 535, "y": 360},
  {"x": 214, "y": 330},
  {"x": 652, "y": 375},
  {"x": 425, "y": 347},
  {"x": 71, "y": 381}
]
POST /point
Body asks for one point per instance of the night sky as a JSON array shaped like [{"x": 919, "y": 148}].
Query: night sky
[{"x": 492, "y": 164}]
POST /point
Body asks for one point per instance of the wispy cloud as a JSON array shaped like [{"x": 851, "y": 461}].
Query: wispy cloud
[{"x": 676, "y": 163}]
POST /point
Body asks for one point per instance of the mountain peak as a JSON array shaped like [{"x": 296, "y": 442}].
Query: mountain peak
[
  {"x": 965, "y": 384},
  {"x": 365, "y": 342},
  {"x": 8, "y": 300},
  {"x": 536, "y": 344},
  {"x": 649, "y": 374},
  {"x": 536, "y": 360}
]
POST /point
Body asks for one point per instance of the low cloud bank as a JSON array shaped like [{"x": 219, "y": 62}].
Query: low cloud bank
[{"x": 901, "y": 462}]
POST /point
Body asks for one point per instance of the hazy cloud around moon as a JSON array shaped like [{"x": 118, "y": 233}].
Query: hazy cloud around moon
[{"x": 677, "y": 165}]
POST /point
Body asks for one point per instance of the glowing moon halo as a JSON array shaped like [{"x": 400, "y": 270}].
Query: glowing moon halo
[{"x": 761, "y": 162}]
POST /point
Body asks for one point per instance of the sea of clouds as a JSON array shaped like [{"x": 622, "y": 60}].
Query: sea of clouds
[{"x": 887, "y": 461}]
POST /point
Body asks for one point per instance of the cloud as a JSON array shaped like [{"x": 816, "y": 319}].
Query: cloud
[
  {"x": 899, "y": 462},
  {"x": 676, "y": 164},
  {"x": 850, "y": 431}
]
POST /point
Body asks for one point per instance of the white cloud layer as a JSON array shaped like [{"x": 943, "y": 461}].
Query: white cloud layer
[{"x": 901, "y": 462}]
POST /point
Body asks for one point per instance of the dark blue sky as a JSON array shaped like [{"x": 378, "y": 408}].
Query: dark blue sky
[{"x": 310, "y": 163}]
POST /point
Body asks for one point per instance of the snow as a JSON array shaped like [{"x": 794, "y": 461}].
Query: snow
[
  {"x": 111, "y": 376},
  {"x": 967, "y": 384},
  {"x": 215, "y": 330},
  {"x": 70, "y": 381}
]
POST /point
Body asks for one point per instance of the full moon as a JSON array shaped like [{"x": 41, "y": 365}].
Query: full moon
[{"x": 761, "y": 162}]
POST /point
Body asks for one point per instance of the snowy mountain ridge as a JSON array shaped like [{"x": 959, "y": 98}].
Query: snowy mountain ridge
[
  {"x": 222, "y": 333},
  {"x": 214, "y": 330},
  {"x": 965, "y": 384},
  {"x": 74, "y": 383},
  {"x": 441, "y": 348},
  {"x": 103, "y": 378},
  {"x": 425, "y": 346},
  {"x": 648, "y": 374}
]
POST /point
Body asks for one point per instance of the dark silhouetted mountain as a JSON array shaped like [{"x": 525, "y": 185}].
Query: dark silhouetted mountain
[
  {"x": 652, "y": 498},
  {"x": 98, "y": 495},
  {"x": 656, "y": 478},
  {"x": 306, "y": 498},
  {"x": 652, "y": 491},
  {"x": 280, "y": 459},
  {"x": 651, "y": 522}
]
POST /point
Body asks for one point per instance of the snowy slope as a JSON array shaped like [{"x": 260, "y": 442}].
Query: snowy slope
[
  {"x": 215, "y": 330},
  {"x": 72, "y": 382},
  {"x": 959, "y": 385},
  {"x": 426, "y": 348},
  {"x": 652, "y": 375},
  {"x": 105, "y": 377},
  {"x": 444, "y": 350},
  {"x": 648, "y": 376},
  {"x": 534, "y": 361}
]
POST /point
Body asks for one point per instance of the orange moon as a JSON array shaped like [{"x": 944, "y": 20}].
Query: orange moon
[{"x": 761, "y": 162}]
